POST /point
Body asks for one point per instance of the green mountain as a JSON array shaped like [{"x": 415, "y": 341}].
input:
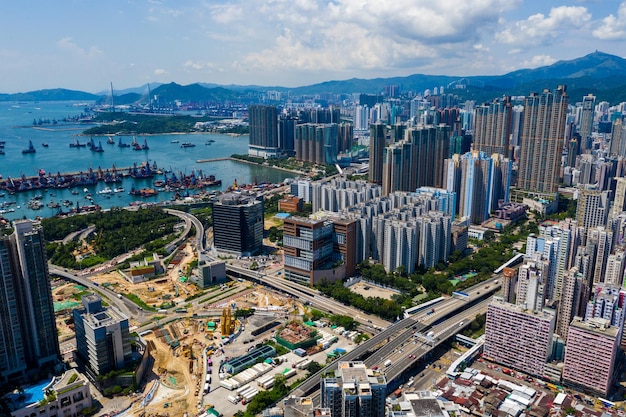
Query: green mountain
[
  {"x": 56, "y": 94},
  {"x": 193, "y": 92},
  {"x": 598, "y": 73}
]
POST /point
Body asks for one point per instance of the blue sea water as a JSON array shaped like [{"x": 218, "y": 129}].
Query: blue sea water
[{"x": 16, "y": 129}]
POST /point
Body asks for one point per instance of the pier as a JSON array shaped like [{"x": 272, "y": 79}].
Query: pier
[
  {"x": 76, "y": 179},
  {"x": 224, "y": 158}
]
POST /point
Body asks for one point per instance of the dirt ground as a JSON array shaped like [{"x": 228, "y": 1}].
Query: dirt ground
[
  {"x": 367, "y": 290},
  {"x": 179, "y": 372},
  {"x": 64, "y": 292},
  {"x": 155, "y": 292}
]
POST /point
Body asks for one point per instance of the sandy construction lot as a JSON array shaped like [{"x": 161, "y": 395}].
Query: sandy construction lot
[{"x": 368, "y": 290}]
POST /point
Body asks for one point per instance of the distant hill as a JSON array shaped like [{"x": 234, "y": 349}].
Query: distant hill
[
  {"x": 193, "y": 92},
  {"x": 598, "y": 73},
  {"x": 55, "y": 94},
  {"x": 137, "y": 90}
]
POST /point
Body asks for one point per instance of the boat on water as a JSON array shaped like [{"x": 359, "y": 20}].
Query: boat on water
[
  {"x": 118, "y": 190},
  {"x": 77, "y": 144},
  {"x": 30, "y": 149},
  {"x": 187, "y": 145},
  {"x": 45, "y": 145},
  {"x": 175, "y": 141},
  {"x": 143, "y": 192},
  {"x": 122, "y": 144},
  {"x": 34, "y": 204},
  {"x": 95, "y": 148},
  {"x": 138, "y": 147},
  {"x": 105, "y": 190},
  {"x": 110, "y": 140}
]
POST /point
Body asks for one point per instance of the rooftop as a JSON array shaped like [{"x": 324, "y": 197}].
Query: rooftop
[{"x": 595, "y": 325}]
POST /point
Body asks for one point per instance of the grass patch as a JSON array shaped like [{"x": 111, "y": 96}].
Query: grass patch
[
  {"x": 280, "y": 349},
  {"x": 135, "y": 299}
]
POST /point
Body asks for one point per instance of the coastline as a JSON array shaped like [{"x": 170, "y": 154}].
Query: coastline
[
  {"x": 232, "y": 135},
  {"x": 230, "y": 158}
]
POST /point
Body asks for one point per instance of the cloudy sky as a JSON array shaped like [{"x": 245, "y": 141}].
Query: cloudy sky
[{"x": 86, "y": 44}]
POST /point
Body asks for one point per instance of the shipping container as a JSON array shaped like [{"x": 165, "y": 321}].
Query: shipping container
[
  {"x": 289, "y": 373},
  {"x": 242, "y": 389},
  {"x": 304, "y": 364}
]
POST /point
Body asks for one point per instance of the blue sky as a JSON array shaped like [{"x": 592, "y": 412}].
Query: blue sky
[{"x": 86, "y": 44}]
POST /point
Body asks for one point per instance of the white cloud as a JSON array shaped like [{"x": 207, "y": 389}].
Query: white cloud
[
  {"x": 160, "y": 71},
  {"x": 191, "y": 65},
  {"x": 539, "y": 29},
  {"x": 226, "y": 13},
  {"x": 538, "y": 61},
  {"x": 366, "y": 34},
  {"x": 613, "y": 27},
  {"x": 68, "y": 44}
]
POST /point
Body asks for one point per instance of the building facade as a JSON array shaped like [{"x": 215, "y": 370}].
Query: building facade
[
  {"x": 355, "y": 391},
  {"x": 517, "y": 337},
  {"x": 591, "y": 355},
  {"x": 28, "y": 333},
  {"x": 102, "y": 336},
  {"x": 263, "y": 131},
  {"x": 238, "y": 224},
  {"x": 492, "y": 127},
  {"x": 319, "y": 249},
  {"x": 541, "y": 142}
]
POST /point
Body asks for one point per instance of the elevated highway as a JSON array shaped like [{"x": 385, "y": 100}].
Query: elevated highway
[{"x": 446, "y": 318}]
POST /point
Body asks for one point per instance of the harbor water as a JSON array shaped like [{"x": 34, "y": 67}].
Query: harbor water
[{"x": 19, "y": 124}]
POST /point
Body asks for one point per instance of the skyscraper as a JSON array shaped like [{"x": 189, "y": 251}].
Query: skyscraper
[
  {"x": 591, "y": 355},
  {"x": 263, "y": 131},
  {"x": 541, "y": 142},
  {"x": 479, "y": 180},
  {"x": 593, "y": 207},
  {"x": 238, "y": 224},
  {"x": 378, "y": 140},
  {"x": 517, "y": 337},
  {"x": 586, "y": 121},
  {"x": 492, "y": 127},
  {"x": 286, "y": 134},
  {"x": 28, "y": 333},
  {"x": 316, "y": 143}
]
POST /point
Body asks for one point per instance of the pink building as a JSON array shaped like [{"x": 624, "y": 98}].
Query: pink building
[
  {"x": 517, "y": 337},
  {"x": 590, "y": 355}
]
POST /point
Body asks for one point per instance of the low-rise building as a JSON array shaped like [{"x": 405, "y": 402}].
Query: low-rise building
[
  {"x": 290, "y": 204},
  {"x": 66, "y": 395}
]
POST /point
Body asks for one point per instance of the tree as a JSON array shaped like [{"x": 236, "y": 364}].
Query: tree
[{"x": 313, "y": 368}]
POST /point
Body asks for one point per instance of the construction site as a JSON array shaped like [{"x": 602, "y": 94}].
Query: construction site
[{"x": 180, "y": 350}]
